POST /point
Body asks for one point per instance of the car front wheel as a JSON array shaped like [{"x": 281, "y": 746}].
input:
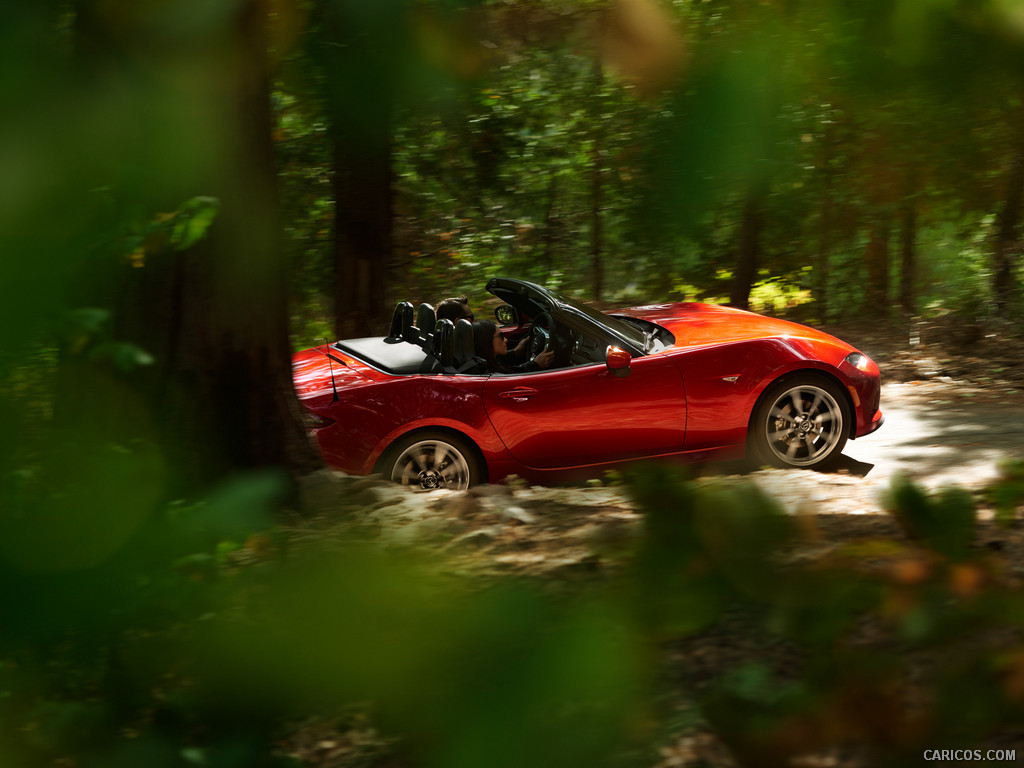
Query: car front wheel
[
  {"x": 801, "y": 422},
  {"x": 427, "y": 461}
]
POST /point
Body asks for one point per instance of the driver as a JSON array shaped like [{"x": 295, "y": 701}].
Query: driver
[
  {"x": 490, "y": 345},
  {"x": 457, "y": 308}
]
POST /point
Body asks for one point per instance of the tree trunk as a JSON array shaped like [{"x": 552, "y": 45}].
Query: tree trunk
[
  {"x": 908, "y": 254},
  {"x": 876, "y": 260},
  {"x": 748, "y": 252},
  {"x": 597, "y": 194},
  {"x": 825, "y": 231},
  {"x": 1008, "y": 242},
  {"x": 363, "y": 216},
  {"x": 359, "y": 81},
  {"x": 549, "y": 234},
  {"x": 214, "y": 316},
  {"x": 596, "y": 232}
]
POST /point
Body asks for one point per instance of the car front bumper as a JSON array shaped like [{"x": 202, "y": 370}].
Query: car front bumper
[{"x": 876, "y": 421}]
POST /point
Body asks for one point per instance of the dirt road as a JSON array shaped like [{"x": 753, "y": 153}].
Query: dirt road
[
  {"x": 937, "y": 432},
  {"x": 940, "y": 433}
]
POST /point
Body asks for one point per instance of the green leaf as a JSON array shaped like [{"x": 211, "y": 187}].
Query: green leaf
[
  {"x": 88, "y": 320},
  {"x": 126, "y": 357},
  {"x": 193, "y": 220}
]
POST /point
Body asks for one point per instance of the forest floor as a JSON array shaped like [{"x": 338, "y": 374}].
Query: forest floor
[{"x": 954, "y": 401}]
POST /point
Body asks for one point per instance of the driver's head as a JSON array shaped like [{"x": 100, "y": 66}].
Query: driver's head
[
  {"x": 455, "y": 309},
  {"x": 488, "y": 342}
]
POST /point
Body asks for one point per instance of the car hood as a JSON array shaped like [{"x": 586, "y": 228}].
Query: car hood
[{"x": 695, "y": 324}]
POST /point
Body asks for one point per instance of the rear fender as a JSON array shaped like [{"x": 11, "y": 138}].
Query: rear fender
[
  {"x": 476, "y": 438},
  {"x": 411, "y": 405}
]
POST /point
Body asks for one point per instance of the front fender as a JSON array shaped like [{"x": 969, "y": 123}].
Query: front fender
[{"x": 724, "y": 381}]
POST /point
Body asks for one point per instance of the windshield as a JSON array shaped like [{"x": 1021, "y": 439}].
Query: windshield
[{"x": 633, "y": 335}]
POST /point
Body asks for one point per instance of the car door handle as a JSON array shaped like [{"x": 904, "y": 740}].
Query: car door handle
[{"x": 519, "y": 393}]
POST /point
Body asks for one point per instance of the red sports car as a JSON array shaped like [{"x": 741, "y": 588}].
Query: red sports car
[{"x": 695, "y": 382}]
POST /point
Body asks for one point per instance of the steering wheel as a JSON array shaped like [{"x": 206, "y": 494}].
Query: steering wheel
[{"x": 540, "y": 333}]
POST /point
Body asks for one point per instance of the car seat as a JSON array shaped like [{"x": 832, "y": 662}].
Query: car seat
[
  {"x": 444, "y": 342},
  {"x": 400, "y": 320},
  {"x": 464, "y": 357},
  {"x": 425, "y": 319}
]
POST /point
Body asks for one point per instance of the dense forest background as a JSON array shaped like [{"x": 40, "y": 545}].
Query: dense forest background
[
  {"x": 192, "y": 189},
  {"x": 843, "y": 161}
]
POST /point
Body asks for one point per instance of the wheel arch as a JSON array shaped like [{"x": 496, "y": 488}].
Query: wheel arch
[
  {"x": 821, "y": 373},
  {"x": 388, "y": 450}
]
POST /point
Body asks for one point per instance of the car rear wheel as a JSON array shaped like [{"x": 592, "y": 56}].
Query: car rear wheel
[
  {"x": 801, "y": 422},
  {"x": 427, "y": 461}
]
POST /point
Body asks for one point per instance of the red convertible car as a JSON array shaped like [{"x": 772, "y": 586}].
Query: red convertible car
[{"x": 695, "y": 382}]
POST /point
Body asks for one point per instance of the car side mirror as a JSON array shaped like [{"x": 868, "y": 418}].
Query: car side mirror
[
  {"x": 617, "y": 360},
  {"x": 506, "y": 314}
]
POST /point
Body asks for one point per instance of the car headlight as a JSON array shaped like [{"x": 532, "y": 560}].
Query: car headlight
[{"x": 859, "y": 361}]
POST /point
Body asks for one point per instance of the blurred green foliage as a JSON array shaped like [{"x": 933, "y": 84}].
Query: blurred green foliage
[
  {"x": 945, "y": 523},
  {"x": 201, "y": 638},
  {"x": 1008, "y": 492},
  {"x": 862, "y": 620},
  {"x": 538, "y": 139}
]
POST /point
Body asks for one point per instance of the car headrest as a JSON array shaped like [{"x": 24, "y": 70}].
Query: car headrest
[
  {"x": 410, "y": 332},
  {"x": 401, "y": 319},
  {"x": 425, "y": 318},
  {"x": 462, "y": 343},
  {"x": 444, "y": 342}
]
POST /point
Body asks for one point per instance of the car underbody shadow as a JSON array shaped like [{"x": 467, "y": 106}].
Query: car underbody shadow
[
  {"x": 845, "y": 465},
  {"x": 851, "y": 466}
]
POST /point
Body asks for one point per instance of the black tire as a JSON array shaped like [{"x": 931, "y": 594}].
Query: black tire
[
  {"x": 801, "y": 421},
  {"x": 432, "y": 459}
]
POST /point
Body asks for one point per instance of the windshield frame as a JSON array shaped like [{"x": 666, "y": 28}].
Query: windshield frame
[
  {"x": 637, "y": 339},
  {"x": 528, "y": 298}
]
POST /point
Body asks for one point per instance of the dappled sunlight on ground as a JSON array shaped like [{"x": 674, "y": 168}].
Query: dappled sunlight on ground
[{"x": 941, "y": 433}]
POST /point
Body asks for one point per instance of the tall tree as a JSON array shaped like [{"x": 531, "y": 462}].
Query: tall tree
[
  {"x": 908, "y": 245},
  {"x": 876, "y": 261},
  {"x": 597, "y": 195},
  {"x": 359, "y": 47},
  {"x": 1008, "y": 235},
  {"x": 209, "y": 303},
  {"x": 747, "y": 250}
]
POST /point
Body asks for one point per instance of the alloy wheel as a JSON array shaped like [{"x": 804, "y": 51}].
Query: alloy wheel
[
  {"x": 804, "y": 425},
  {"x": 431, "y": 464}
]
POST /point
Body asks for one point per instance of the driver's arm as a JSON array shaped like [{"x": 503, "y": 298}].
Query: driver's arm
[
  {"x": 545, "y": 358},
  {"x": 520, "y": 353},
  {"x": 541, "y": 361}
]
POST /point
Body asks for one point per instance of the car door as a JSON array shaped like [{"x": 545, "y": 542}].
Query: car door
[{"x": 586, "y": 415}]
